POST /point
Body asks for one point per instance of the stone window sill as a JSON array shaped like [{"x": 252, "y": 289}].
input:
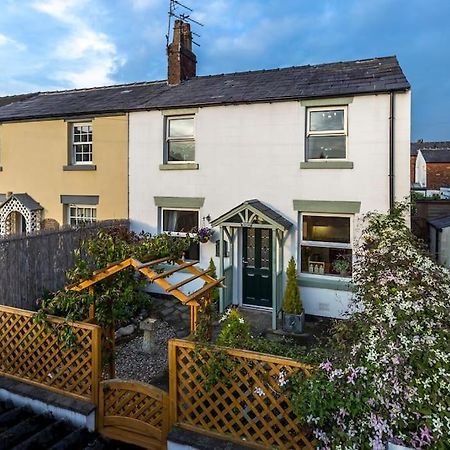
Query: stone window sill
[
  {"x": 185, "y": 166},
  {"x": 338, "y": 284},
  {"x": 79, "y": 167},
  {"x": 327, "y": 164}
]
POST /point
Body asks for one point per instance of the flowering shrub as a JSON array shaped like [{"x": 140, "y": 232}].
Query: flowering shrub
[
  {"x": 389, "y": 377},
  {"x": 205, "y": 234}
]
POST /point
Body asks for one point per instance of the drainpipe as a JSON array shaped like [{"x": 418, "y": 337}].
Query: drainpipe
[{"x": 391, "y": 150}]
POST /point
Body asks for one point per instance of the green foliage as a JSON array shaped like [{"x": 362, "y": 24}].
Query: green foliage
[
  {"x": 292, "y": 303},
  {"x": 215, "y": 290},
  {"x": 387, "y": 374},
  {"x": 235, "y": 331}
]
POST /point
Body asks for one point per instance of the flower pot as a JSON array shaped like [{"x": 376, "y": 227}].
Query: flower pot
[
  {"x": 392, "y": 446},
  {"x": 293, "y": 323},
  {"x": 204, "y": 240}
]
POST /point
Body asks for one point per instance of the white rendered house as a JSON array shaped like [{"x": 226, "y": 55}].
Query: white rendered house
[{"x": 280, "y": 162}]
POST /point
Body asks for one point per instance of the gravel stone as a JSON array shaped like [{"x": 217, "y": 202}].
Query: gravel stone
[{"x": 134, "y": 364}]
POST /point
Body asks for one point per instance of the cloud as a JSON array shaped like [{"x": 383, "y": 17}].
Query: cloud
[
  {"x": 87, "y": 57},
  {"x": 6, "y": 41}
]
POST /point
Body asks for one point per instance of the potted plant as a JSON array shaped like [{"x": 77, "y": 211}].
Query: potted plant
[
  {"x": 205, "y": 234},
  {"x": 293, "y": 315},
  {"x": 342, "y": 266}
]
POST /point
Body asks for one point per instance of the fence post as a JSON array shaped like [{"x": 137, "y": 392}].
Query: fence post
[
  {"x": 172, "y": 382},
  {"x": 96, "y": 371}
]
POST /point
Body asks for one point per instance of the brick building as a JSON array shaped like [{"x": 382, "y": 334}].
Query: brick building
[
  {"x": 432, "y": 169},
  {"x": 421, "y": 145}
]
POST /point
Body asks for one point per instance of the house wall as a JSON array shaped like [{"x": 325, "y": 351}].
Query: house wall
[
  {"x": 421, "y": 170},
  {"x": 33, "y": 155},
  {"x": 438, "y": 175},
  {"x": 412, "y": 168},
  {"x": 254, "y": 151}
]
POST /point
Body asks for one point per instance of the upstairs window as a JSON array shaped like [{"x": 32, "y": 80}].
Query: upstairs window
[
  {"x": 182, "y": 222},
  {"x": 326, "y": 136},
  {"x": 326, "y": 247},
  {"x": 180, "y": 142},
  {"x": 81, "y": 151}
]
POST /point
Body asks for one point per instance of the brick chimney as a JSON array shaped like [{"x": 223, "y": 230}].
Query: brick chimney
[{"x": 181, "y": 60}]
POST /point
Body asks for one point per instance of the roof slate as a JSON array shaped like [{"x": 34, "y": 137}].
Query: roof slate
[
  {"x": 436, "y": 155},
  {"x": 324, "y": 80},
  {"x": 25, "y": 199},
  {"x": 431, "y": 145}
]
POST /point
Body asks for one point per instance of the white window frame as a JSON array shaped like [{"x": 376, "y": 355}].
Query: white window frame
[
  {"x": 78, "y": 221},
  {"x": 73, "y": 144},
  {"x": 331, "y": 133},
  {"x": 322, "y": 244},
  {"x": 168, "y": 139},
  {"x": 179, "y": 233}
]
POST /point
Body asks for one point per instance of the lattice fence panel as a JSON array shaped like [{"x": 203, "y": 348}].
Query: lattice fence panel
[
  {"x": 34, "y": 354},
  {"x": 248, "y": 403}
]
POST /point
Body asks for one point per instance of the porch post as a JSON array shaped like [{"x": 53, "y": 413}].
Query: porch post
[
  {"x": 221, "y": 270},
  {"x": 274, "y": 279}
]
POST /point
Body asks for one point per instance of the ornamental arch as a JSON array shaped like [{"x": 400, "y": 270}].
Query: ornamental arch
[{"x": 19, "y": 213}]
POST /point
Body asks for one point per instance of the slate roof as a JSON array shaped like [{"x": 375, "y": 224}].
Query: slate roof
[
  {"x": 436, "y": 155},
  {"x": 265, "y": 210},
  {"x": 440, "y": 223},
  {"x": 25, "y": 199},
  {"x": 312, "y": 81},
  {"x": 431, "y": 145},
  {"x": 15, "y": 98}
]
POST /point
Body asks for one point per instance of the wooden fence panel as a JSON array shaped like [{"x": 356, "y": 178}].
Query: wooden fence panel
[
  {"x": 31, "y": 265},
  {"x": 33, "y": 354},
  {"x": 248, "y": 403}
]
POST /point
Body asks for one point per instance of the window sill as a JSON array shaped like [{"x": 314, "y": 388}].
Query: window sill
[
  {"x": 185, "y": 166},
  {"x": 79, "y": 167},
  {"x": 323, "y": 282},
  {"x": 326, "y": 164}
]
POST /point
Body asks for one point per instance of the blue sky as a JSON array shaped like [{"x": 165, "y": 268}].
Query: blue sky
[{"x": 62, "y": 44}]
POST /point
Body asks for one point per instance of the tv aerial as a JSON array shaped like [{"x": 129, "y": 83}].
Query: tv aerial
[{"x": 180, "y": 11}]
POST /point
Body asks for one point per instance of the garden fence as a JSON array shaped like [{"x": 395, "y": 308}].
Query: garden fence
[
  {"x": 247, "y": 400},
  {"x": 32, "y": 353},
  {"x": 31, "y": 265}
]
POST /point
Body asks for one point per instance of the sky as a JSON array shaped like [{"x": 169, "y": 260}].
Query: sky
[{"x": 65, "y": 44}]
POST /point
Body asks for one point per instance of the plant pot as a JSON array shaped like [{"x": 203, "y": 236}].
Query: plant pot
[
  {"x": 203, "y": 240},
  {"x": 392, "y": 446},
  {"x": 293, "y": 323}
]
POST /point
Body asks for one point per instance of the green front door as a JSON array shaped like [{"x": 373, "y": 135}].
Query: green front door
[{"x": 257, "y": 267}]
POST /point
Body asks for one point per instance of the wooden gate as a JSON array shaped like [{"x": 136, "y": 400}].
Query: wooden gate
[{"x": 134, "y": 412}]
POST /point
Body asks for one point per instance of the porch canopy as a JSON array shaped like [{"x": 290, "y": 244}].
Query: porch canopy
[{"x": 251, "y": 214}]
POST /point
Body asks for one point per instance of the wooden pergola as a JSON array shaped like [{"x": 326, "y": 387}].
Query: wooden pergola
[{"x": 148, "y": 269}]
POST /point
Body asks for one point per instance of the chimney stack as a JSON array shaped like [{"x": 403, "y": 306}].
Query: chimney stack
[{"x": 182, "y": 62}]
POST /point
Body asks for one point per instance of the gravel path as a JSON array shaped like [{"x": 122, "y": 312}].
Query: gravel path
[{"x": 134, "y": 364}]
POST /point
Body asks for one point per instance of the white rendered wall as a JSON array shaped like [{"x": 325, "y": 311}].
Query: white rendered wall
[
  {"x": 254, "y": 151},
  {"x": 421, "y": 170}
]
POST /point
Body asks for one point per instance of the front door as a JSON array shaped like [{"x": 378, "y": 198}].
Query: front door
[{"x": 257, "y": 267}]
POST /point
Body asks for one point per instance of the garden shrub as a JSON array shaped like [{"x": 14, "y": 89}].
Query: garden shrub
[
  {"x": 388, "y": 376},
  {"x": 291, "y": 300}
]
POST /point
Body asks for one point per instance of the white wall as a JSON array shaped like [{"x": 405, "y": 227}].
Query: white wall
[
  {"x": 421, "y": 170},
  {"x": 254, "y": 151}
]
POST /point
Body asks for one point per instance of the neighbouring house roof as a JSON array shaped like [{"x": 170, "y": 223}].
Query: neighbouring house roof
[
  {"x": 262, "y": 209},
  {"x": 25, "y": 199},
  {"x": 431, "y": 145},
  {"x": 436, "y": 155},
  {"x": 15, "y": 98},
  {"x": 440, "y": 223},
  {"x": 367, "y": 76}
]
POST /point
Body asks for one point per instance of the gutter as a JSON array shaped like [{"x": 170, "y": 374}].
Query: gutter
[{"x": 391, "y": 150}]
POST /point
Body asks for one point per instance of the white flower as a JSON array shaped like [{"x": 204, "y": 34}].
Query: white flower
[{"x": 258, "y": 391}]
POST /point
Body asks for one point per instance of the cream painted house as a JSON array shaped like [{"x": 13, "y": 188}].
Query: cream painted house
[{"x": 59, "y": 169}]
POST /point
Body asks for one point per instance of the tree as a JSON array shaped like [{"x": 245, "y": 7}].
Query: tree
[{"x": 292, "y": 303}]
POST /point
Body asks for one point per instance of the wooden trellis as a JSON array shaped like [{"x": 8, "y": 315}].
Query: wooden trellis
[
  {"x": 160, "y": 278},
  {"x": 248, "y": 403}
]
